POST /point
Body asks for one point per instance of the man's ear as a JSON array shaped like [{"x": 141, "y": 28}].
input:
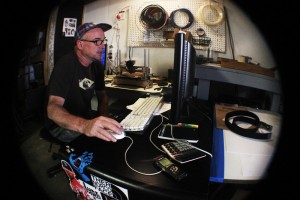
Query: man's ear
[{"x": 79, "y": 45}]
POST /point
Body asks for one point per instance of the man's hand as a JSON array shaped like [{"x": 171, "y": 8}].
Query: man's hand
[{"x": 99, "y": 127}]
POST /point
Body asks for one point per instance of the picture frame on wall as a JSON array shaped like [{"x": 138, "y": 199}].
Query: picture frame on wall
[{"x": 69, "y": 27}]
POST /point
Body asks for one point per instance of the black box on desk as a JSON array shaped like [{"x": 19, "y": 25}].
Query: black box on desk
[{"x": 167, "y": 94}]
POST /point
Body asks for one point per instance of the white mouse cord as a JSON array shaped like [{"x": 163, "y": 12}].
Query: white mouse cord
[
  {"x": 132, "y": 167},
  {"x": 154, "y": 130}
]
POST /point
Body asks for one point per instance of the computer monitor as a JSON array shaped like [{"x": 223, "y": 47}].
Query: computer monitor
[
  {"x": 183, "y": 78},
  {"x": 104, "y": 55}
]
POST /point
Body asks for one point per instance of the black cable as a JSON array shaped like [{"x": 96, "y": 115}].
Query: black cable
[
  {"x": 249, "y": 118},
  {"x": 186, "y": 11}
]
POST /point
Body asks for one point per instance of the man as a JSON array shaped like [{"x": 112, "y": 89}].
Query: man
[{"x": 75, "y": 79}]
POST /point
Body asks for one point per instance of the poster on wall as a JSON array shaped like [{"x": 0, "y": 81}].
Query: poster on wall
[{"x": 69, "y": 27}]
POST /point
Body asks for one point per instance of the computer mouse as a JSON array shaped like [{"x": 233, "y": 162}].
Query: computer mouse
[{"x": 119, "y": 136}]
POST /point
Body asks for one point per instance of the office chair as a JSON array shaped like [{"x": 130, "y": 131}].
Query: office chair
[{"x": 46, "y": 135}]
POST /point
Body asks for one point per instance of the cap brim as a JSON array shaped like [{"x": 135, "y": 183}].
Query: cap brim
[{"x": 103, "y": 26}]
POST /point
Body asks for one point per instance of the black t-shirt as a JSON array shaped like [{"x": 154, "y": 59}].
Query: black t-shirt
[{"x": 76, "y": 84}]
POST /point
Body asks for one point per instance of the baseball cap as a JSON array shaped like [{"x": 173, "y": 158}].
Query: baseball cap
[{"x": 84, "y": 28}]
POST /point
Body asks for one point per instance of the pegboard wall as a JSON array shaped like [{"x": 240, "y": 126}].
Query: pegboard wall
[{"x": 138, "y": 36}]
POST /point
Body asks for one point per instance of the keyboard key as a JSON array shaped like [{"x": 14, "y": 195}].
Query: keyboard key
[{"x": 140, "y": 117}]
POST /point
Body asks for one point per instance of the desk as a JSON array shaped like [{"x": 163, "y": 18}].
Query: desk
[
  {"x": 102, "y": 170},
  {"x": 239, "y": 159},
  {"x": 211, "y": 72}
]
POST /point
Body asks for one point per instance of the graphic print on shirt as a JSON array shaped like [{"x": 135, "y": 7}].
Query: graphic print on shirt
[{"x": 86, "y": 84}]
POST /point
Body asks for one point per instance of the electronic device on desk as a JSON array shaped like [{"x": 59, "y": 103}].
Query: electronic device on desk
[
  {"x": 140, "y": 117},
  {"x": 170, "y": 168},
  {"x": 167, "y": 93},
  {"x": 182, "y": 88},
  {"x": 135, "y": 75},
  {"x": 182, "y": 92},
  {"x": 183, "y": 78},
  {"x": 182, "y": 151},
  {"x": 188, "y": 132},
  {"x": 135, "y": 81}
]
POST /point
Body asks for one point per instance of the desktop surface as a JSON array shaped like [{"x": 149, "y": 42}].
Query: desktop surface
[
  {"x": 107, "y": 162},
  {"x": 240, "y": 159}
]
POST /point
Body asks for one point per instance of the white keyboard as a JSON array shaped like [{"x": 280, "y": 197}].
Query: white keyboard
[{"x": 139, "y": 118}]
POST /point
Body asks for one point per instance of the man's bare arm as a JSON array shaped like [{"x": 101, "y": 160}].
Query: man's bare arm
[
  {"x": 96, "y": 127},
  {"x": 58, "y": 114}
]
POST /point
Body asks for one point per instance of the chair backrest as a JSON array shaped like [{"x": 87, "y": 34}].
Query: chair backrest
[
  {"x": 46, "y": 135},
  {"x": 44, "y": 132}
]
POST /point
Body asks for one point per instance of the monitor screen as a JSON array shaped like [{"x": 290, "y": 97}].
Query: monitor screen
[
  {"x": 183, "y": 77},
  {"x": 104, "y": 55}
]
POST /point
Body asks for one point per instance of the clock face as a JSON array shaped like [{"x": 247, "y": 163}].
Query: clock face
[{"x": 200, "y": 32}]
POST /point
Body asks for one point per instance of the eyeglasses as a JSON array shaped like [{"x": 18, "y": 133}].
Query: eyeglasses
[{"x": 96, "y": 42}]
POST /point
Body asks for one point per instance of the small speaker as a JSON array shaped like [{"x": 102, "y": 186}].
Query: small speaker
[
  {"x": 167, "y": 93},
  {"x": 170, "y": 75}
]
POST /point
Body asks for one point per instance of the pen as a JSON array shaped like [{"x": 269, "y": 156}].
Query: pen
[{"x": 187, "y": 125}]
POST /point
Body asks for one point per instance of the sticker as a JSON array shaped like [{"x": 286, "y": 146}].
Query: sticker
[
  {"x": 109, "y": 190},
  {"x": 76, "y": 185},
  {"x": 80, "y": 162}
]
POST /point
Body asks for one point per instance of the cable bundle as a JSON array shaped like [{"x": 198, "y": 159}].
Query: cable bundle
[
  {"x": 211, "y": 8},
  {"x": 153, "y": 17},
  {"x": 185, "y": 11}
]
